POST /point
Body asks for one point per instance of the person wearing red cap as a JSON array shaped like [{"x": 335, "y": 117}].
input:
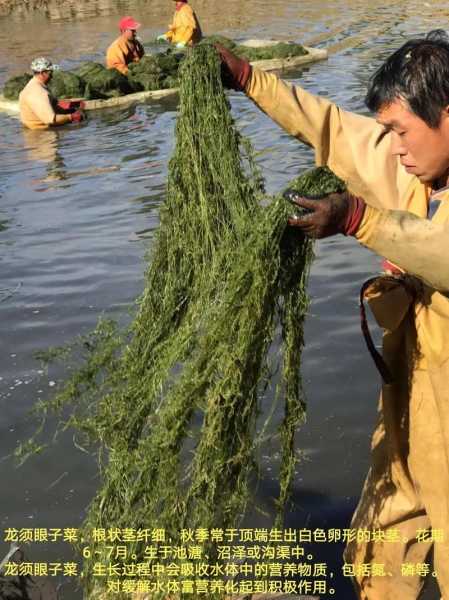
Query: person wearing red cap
[
  {"x": 126, "y": 48},
  {"x": 185, "y": 29}
]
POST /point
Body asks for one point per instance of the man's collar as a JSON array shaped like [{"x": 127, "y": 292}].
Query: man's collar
[{"x": 437, "y": 193}]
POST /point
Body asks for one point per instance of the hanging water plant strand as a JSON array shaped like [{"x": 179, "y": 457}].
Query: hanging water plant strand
[{"x": 176, "y": 404}]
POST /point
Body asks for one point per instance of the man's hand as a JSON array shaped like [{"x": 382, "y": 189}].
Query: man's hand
[
  {"x": 336, "y": 213},
  {"x": 235, "y": 71},
  {"x": 77, "y": 116},
  {"x": 70, "y": 105}
]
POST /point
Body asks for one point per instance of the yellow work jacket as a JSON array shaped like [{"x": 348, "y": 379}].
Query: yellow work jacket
[
  {"x": 403, "y": 221},
  {"x": 123, "y": 52},
  {"x": 185, "y": 27}
]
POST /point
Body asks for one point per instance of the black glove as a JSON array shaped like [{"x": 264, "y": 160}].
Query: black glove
[{"x": 326, "y": 216}]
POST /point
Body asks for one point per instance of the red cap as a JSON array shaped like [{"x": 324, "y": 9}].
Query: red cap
[{"x": 128, "y": 23}]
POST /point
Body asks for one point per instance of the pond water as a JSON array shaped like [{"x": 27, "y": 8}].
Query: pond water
[{"x": 78, "y": 207}]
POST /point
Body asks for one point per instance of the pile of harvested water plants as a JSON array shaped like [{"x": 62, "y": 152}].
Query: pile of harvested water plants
[
  {"x": 158, "y": 71},
  {"x": 264, "y": 52},
  {"x": 177, "y": 405},
  {"x": 91, "y": 80}
]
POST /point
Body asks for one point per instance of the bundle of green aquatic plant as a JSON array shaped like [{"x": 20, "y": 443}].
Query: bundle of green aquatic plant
[
  {"x": 253, "y": 53},
  {"x": 281, "y": 50},
  {"x": 15, "y": 85},
  {"x": 92, "y": 80},
  {"x": 102, "y": 83},
  {"x": 145, "y": 75},
  {"x": 179, "y": 404},
  {"x": 65, "y": 84},
  {"x": 155, "y": 71}
]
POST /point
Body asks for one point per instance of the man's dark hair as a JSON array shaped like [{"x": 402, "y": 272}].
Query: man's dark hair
[{"x": 419, "y": 74}]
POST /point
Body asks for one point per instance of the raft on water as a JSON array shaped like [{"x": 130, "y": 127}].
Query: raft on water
[{"x": 275, "y": 64}]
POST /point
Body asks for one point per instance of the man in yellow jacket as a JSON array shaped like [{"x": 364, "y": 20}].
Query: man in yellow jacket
[
  {"x": 185, "y": 29},
  {"x": 397, "y": 171},
  {"x": 38, "y": 108},
  {"x": 126, "y": 48}
]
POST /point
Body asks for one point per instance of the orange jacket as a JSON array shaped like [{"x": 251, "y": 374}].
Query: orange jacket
[{"x": 122, "y": 52}]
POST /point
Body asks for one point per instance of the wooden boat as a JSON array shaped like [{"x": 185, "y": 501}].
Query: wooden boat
[{"x": 274, "y": 64}]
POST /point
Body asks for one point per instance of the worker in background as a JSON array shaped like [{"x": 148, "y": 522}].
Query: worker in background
[
  {"x": 38, "y": 109},
  {"x": 126, "y": 48},
  {"x": 396, "y": 167},
  {"x": 185, "y": 29}
]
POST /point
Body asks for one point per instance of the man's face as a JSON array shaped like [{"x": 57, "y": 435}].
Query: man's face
[
  {"x": 47, "y": 76},
  {"x": 130, "y": 34},
  {"x": 422, "y": 150}
]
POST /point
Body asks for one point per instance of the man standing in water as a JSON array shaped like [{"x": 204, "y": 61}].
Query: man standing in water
[
  {"x": 185, "y": 29},
  {"x": 38, "y": 110},
  {"x": 126, "y": 48},
  {"x": 397, "y": 171}
]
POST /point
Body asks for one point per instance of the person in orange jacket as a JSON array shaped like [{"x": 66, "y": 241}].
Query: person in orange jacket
[
  {"x": 126, "y": 48},
  {"x": 396, "y": 167},
  {"x": 185, "y": 29}
]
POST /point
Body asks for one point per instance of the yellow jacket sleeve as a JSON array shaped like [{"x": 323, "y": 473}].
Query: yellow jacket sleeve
[
  {"x": 183, "y": 27},
  {"x": 355, "y": 147},
  {"x": 417, "y": 245},
  {"x": 116, "y": 57}
]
